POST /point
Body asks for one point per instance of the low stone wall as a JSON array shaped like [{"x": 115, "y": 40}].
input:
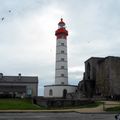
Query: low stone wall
[{"x": 57, "y": 102}]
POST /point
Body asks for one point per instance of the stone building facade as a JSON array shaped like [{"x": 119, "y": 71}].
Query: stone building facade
[
  {"x": 102, "y": 77},
  {"x": 18, "y": 86}
]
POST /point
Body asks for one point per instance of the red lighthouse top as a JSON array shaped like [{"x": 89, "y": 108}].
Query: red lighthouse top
[{"x": 61, "y": 32}]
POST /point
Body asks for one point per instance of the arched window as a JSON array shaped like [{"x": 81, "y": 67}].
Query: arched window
[{"x": 50, "y": 92}]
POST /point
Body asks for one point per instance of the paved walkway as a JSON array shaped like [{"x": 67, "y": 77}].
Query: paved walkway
[{"x": 56, "y": 116}]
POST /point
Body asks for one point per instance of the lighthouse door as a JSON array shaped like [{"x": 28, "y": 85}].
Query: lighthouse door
[{"x": 64, "y": 93}]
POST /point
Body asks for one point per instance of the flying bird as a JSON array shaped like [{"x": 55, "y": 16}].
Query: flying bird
[
  {"x": 2, "y": 18},
  {"x": 9, "y": 11}
]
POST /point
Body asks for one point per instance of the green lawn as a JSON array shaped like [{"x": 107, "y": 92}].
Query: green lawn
[
  {"x": 92, "y": 105},
  {"x": 26, "y": 104},
  {"x": 89, "y": 105},
  {"x": 113, "y": 109},
  {"x": 18, "y": 104}
]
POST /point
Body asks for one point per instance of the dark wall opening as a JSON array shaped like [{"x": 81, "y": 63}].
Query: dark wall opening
[{"x": 64, "y": 93}]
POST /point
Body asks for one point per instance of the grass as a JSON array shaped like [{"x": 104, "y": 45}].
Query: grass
[
  {"x": 113, "y": 109},
  {"x": 26, "y": 104},
  {"x": 90, "y": 105},
  {"x": 18, "y": 104}
]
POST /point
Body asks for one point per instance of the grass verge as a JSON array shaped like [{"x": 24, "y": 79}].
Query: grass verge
[
  {"x": 18, "y": 104},
  {"x": 113, "y": 109},
  {"x": 90, "y": 105},
  {"x": 26, "y": 104}
]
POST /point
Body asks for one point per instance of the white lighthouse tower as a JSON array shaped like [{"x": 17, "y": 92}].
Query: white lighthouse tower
[
  {"x": 61, "y": 71},
  {"x": 61, "y": 86}
]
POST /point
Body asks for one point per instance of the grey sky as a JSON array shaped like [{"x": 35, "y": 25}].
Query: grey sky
[{"x": 27, "y": 40}]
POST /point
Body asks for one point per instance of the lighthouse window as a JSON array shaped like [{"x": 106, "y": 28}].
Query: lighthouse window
[
  {"x": 50, "y": 92},
  {"x": 62, "y": 44},
  {"x": 62, "y": 51},
  {"x": 62, "y": 67},
  {"x": 62, "y": 75},
  {"x": 62, "y": 83},
  {"x": 62, "y": 59}
]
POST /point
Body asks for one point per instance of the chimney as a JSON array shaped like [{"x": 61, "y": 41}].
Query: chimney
[{"x": 19, "y": 76}]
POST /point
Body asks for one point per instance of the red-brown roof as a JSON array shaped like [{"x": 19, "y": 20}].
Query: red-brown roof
[{"x": 61, "y": 31}]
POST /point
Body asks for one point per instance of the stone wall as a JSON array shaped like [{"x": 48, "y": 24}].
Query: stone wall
[
  {"x": 105, "y": 74},
  {"x": 56, "y": 102}
]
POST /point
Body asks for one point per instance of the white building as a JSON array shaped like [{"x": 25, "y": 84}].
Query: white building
[{"x": 61, "y": 87}]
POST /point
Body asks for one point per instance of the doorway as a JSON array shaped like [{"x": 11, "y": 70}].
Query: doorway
[{"x": 64, "y": 93}]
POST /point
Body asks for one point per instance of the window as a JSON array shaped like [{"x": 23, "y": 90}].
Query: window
[
  {"x": 62, "y": 44},
  {"x": 62, "y": 83},
  {"x": 62, "y": 75},
  {"x": 62, "y": 51},
  {"x": 50, "y": 92},
  {"x": 62, "y": 59},
  {"x": 62, "y": 67}
]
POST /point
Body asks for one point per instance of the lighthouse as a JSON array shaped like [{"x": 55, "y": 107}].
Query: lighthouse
[
  {"x": 60, "y": 88},
  {"x": 61, "y": 69}
]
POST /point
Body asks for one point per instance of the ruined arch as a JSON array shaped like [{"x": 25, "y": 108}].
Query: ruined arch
[{"x": 88, "y": 71}]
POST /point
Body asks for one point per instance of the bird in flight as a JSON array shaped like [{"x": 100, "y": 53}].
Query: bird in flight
[
  {"x": 2, "y": 18},
  {"x": 9, "y": 11}
]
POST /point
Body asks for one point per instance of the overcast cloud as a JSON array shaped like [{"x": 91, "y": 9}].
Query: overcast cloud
[{"x": 27, "y": 40}]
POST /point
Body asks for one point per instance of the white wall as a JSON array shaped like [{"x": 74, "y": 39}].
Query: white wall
[
  {"x": 58, "y": 71},
  {"x": 58, "y": 90}
]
